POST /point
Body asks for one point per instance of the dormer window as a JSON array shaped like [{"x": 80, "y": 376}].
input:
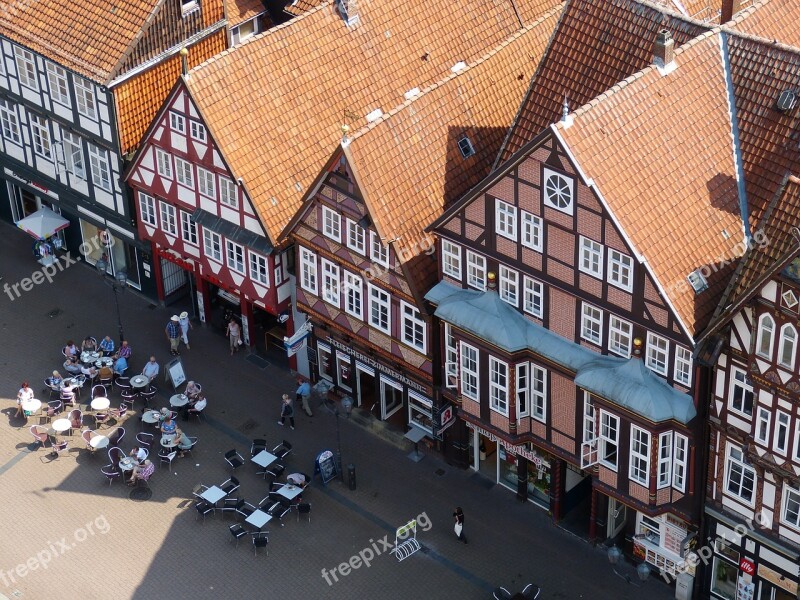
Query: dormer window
[
  {"x": 465, "y": 147},
  {"x": 697, "y": 281},
  {"x": 189, "y": 6},
  {"x": 245, "y": 30}
]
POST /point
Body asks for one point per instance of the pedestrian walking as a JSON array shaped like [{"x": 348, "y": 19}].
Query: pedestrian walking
[
  {"x": 186, "y": 325},
  {"x": 302, "y": 394},
  {"x": 173, "y": 330},
  {"x": 234, "y": 334},
  {"x": 287, "y": 411},
  {"x": 458, "y": 515}
]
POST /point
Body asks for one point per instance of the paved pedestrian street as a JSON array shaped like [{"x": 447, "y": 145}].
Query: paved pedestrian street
[{"x": 67, "y": 533}]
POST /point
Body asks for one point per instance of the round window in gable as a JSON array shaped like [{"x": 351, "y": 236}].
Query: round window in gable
[{"x": 557, "y": 191}]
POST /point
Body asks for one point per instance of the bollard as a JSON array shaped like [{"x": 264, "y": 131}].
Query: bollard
[{"x": 351, "y": 476}]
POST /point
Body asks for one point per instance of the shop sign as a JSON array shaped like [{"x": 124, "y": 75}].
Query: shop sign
[
  {"x": 376, "y": 365},
  {"x": 776, "y": 578},
  {"x": 517, "y": 450},
  {"x": 747, "y": 566},
  {"x": 33, "y": 184}
]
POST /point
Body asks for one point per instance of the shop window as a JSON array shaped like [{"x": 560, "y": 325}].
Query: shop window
[
  {"x": 420, "y": 411},
  {"x": 723, "y": 579},
  {"x": 343, "y": 371},
  {"x": 325, "y": 362}
]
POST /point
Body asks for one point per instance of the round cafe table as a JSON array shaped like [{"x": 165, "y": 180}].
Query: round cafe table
[
  {"x": 100, "y": 403},
  {"x": 99, "y": 442},
  {"x": 169, "y": 441},
  {"x": 179, "y": 400},
  {"x": 61, "y": 425},
  {"x": 139, "y": 382},
  {"x": 151, "y": 416},
  {"x": 31, "y": 406},
  {"x": 89, "y": 357},
  {"x": 105, "y": 361},
  {"x": 127, "y": 464}
]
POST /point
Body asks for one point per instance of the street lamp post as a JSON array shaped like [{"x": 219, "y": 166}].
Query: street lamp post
[
  {"x": 119, "y": 283},
  {"x": 642, "y": 570}
]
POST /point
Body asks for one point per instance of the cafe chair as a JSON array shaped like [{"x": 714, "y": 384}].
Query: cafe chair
[
  {"x": 52, "y": 409},
  {"x": 119, "y": 413},
  {"x": 282, "y": 450},
  {"x": 197, "y": 409},
  {"x": 276, "y": 470},
  {"x": 122, "y": 383},
  {"x": 75, "y": 420},
  {"x": 190, "y": 448},
  {"x": 234, "y": 459},
  {"x": 304, "y": 508},
  {"x": 238, "y": 532},
  {"x": 269, "y": 501},
  {"x": 246, "y": 509},
  {"x": 144, "y": 439},
  {"x": 199, "y": 490},
  {"x": 257, "y": 446},
  {"x": 280, "y": 510},
  {"x": 101, "y": 418},
  {"x": 115, "y": 455},
  {"x": 168, "y": 457},
  {"x": 260, "y": 540},
  {"x": 148, "y": 394},
  {"x": 116, "y": 436},
  {"x": 229, "y": 486},
  {"x": 55, "y": 390},
  {"x": 67, "y": 396},
  {"x": 531, "y": 592},
  {"x": 87, "y": 435},
  {"x": 111, "y": 473},
  {"x": 98, "y": 391},
  {"x": 40, "y": 435},
  {"x": 502, "y": 593},
  {"x": 128, "y": 395},
  {"x": 107, "y": 382},
  {"x": 232, "y": 505},
  {"x": 78, "y": 382},
  {"x": 58, "y": 448},
  {"x": 203, "y": 508}
]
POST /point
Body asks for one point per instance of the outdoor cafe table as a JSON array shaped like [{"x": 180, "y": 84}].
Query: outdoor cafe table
[
  {"x": 213, "y": 495},
  {"x": 169, "y": 442},
  {"x": 99, "y": 442},
  {"x": 258, "y": 518},
  {"x": 105, "y": 361},
  {"x": 31, "y": 406},
  {"x": 178, "y": 400},
  {"x": 151, "y": 416},
  {"x": 100, "y": 403},
  {"x": 61, "y": 425},
  {"x": 264, "y": 459},
  {"x": 290, "y": 492},
  {"x": 88, "y": 358},
  {"x": 139, "y": 382},
  {"x": 127, "y": 464}
]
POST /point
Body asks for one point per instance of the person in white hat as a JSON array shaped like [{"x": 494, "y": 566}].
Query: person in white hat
[
  {"x": 186, "y": 325},
  {"x": 173, "y": 330}
]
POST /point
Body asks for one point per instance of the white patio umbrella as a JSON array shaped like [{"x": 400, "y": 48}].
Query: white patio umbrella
[{"x": 43, "y": 223}]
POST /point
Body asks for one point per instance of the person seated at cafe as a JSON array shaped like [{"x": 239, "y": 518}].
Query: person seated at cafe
[
  {"x": 182, "y": 440},
  {"x": 120, "y": 365},
  {"x": 89, "y": 345},
  {"x": 72, "y": 365},
  {"x": 70, "y": 349},
  {"x": 143, "y": 471},
  {"x": 168, "y": 427},
  {"x": 124, "y": 351},
  {"x": 297, "y": 479},
  {"x": 24, "y": 394},
  {"x": 139, "y": 454},
  {"x": 192, "y": 390},
  {"x": 55, "y": 380},
  {"x": 151, "y": 369},
  {"x": 107, "y": 346},
  {"x": 106, "y": 372},
  {"x": 89, "y": 371}
]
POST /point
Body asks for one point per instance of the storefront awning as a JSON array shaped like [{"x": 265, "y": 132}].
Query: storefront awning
[
  {"x": 43, "y": 224},
  {"x": 228, "y": 230}
]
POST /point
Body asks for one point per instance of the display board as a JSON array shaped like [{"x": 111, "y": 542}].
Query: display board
[
  {"x": 325, "y": 465},
  {"x": 174, "y": 373}
]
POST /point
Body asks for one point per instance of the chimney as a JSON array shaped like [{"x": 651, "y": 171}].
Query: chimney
[
  {"x": 184, "y": 63},
  {"x": 664, "y": 52},
  {"x": 729, "y": 8}
]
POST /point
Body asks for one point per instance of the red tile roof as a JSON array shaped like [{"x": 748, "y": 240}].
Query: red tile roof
[
  {"x": 275, "y": 104},
  {"x": 239, "y": 11},
  {"x": 771, "y": 20}
]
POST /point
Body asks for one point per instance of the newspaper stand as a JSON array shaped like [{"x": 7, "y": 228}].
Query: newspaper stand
[{"x": 405, "y": 546}]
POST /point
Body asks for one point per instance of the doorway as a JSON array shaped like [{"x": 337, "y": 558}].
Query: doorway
[
  {"x": 365, "y": 387},
  {"x": 617, "y": 516},
  {"x": 391, "y": 398}
]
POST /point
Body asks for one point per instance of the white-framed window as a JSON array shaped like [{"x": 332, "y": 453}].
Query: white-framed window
[
  {"x": 100, "y": 165},
  {"x": 591, "y": 323},
  {"x": 509, "y": 285},
  {"x": 538, "y": 392},
  {"x": 558, "y": 191},
  {"x": 413, "y": 327},
  {"x": 354, "y": 295},
  {"x": 379, "y": 309},
  {"x": 796, "y": 456},
  {"x": 762, "y": 425},
  {"x": 680, "y": 462},
  {"x": 331, "y": 224},
  {"x": 683, "y": 366},
  {"x": 469, "y": 371},
  {"x": 506, "y": 220},
  {"x": 665, "y": 459},
  {"x": 620, "y": 270},
  {"x": 147, "y": 209},
  {"x": 476, "y": 270},
  {"x": 244, "y": 30},
  {"x": 589, "y": 422},
  {"x": 73, "y": 153},
  {"x": 189, "y": 6},
  {"x": 609, "y": 439},
  {"x": 197, "y": 130},
  {"x": 330, "y": 282},
  {"x": 163, "y": 164},
  {"x": 169, "y": 220},
  {"x": 451, "y": 259},
  {"x": 356, "y": 237},
  {"x": 205, "y": 183},
  {"x": 740, "y": 479},
  {"x": 9, "y": 121},
  {"x": 235, "y": 255},
  {"x": 184, "y": 174},
  {"x": 450, "y": 358},
  {"x": 57, "y": 81},
  {"x": 591, "y": 257},
  {"x": 532, "y": 231},
  {"x": 308, "y": 270},
  {"x": 788, "y": 346},
  {"x": 188, "y": 228},
  {"x": 780, "y": 441},
  {"x": 212, "y": 244},
  {"x": 84, "y": 97},
  {"x": 766, "y": 336},
  {"x": 26, "y": 68},
  {"x": 377, "y": 251},
  {"x": 228, "y": 193},
  {"x": 620, "y": 333},
  {"x": 498, "y": 386},
  {"x": 657, "y": 353},
  {"x": 40, "y": 128},
  {"x": 177, "y": 122},
  {"x": 259, "y": 268},
  {"x": 522, "y": 371},
  {"x": 533, "y": 297},
  {"x": 639, "y": 469},
  {"x": 790, "y": 513},
  {"x": 741, "y": 393}
]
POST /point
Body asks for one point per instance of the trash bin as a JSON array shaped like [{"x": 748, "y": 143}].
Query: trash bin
[{"x": 351, "y": 476}]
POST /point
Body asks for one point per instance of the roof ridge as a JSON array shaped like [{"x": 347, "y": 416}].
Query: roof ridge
[
  {"x": 363, "y": 130},
  {"x": 758, "y": 39}
]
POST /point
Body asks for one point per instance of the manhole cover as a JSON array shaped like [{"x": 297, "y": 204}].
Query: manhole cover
[
  {"x": 440, "y": 472},
  {"x": 140, "y": 494},
  {"x": 248, "y": 425},
  {"x": 54, "y": 313}
]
